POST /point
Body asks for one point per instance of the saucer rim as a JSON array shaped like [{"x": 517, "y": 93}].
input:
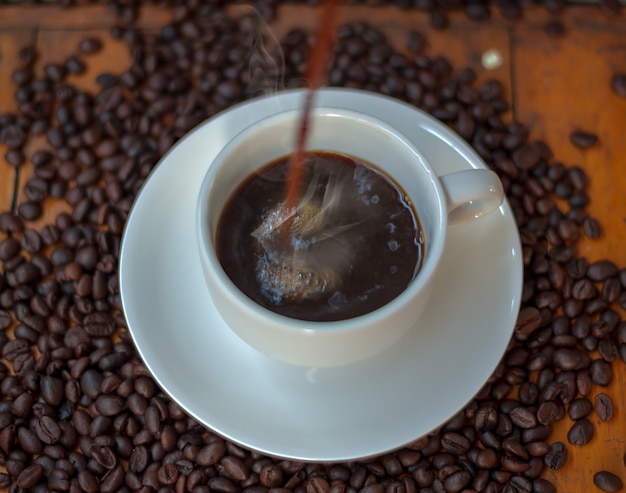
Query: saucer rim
[{"x": 466, "y": 154}]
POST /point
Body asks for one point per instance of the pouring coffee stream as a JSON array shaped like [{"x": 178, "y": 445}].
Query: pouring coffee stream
[{"x": 284, "y": 266}]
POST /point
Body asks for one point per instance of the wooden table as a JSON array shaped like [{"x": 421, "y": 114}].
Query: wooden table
[{"x": 555, "y": 85}]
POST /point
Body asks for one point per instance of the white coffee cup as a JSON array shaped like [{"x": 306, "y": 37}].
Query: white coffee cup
[{"x": 440, "y": 202}]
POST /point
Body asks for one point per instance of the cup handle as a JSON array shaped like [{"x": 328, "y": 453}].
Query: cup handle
[{"x": 470, "y": 194}]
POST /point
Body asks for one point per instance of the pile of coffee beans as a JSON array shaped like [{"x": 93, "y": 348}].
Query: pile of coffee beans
[{"x": 78, "y": 409}]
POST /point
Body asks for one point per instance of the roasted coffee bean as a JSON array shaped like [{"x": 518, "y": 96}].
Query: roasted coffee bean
[
  {"x": 515, "y": 448},
  {"x": 235, "y": 468},
  {"x": 549, "y": 412},
  {"x": 30, "y": 210},
  {"x": 526, "y": 157},
  {"x": 541, "y": 485},
  {"x": 74, "y": 65},
  {"x": 5, "y": 320},
  {"x": 112, "y": 480},
  {"x": 455, "y": 443},
  {"x": 9, "y": 247},
  {"x": 523, "y": 417},
  {"x": 415, "y": 42},
  {"x": 579, "y": 408},
  {"x": 30, "y": 476},
  {"x": 582, "y": 139},
  {"x": 570, "y": 359},
  {"x": 48, "y": 430},
  {"x": 592, "y": 228},
  {"x": 528, "y": 321},
  {"x": 603, "y": 406},
  {"x": 601, "y": 270},
  {"x": 271, "y": 476},
  {"x": 88, "y": 481},
  {"x": 608, "y": 349},
  {"x": 5, "y": 480},
  {"x": 139, "y": 459},
  {"x": 99, "y": 324},
  {"x": 90, "y": 45},
  {"x": 29, "y": 442},
  {"x": 607, "y": 481},
  {"x": 581, "y": 432},
  {"x": 10, "y": 223},
  {"x": 168, "y": 474},
  {"x": 103, "y": 455},
  {"x": 109, "y": 405},
  {"x": 13, "y": 136},
  {"x": 618, "y": 84},
  {"x": 556, "y": 457},
  {"x": 52, "y": 390},
  {"x": 601, "y": 372},
  {"x": 457, "y": 481}
]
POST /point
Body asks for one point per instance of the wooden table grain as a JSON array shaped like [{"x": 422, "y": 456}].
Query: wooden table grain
[{"x": 555, "y": 85}]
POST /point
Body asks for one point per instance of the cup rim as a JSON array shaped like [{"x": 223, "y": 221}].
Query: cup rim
[{"x": 353, "y": 324}]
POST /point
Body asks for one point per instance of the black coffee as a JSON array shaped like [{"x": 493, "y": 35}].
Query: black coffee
[{"x": 351, "y": 245}]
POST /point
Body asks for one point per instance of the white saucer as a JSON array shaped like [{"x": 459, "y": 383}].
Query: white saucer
[{"x": 313, "y": 414}]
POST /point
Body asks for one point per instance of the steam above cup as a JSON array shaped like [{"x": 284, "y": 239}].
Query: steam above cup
[{"x": 439, "y": 202}]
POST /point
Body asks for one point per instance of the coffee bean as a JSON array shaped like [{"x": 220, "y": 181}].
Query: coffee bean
[
  {"x": 103, "y": 455},
  {"x": 455, "y": 443},
  {"x": 30, "y": 476},
  {"x": 528, "y": 321},
  {"x": 601, "y": 372},
  {"x": 603, "y": 405},
  {"x": 579, "y": 408},
  {"x": 607, "y": 481},
  {"x": 99, "y": 324},
  {"x": 30, "y": 210},
  {"x": 74, "y": 65},
  {"x": 541, "y": 485},
  {"x": 88, "y": 481},
  {"x": 52, "y": 390},
  {"x": 523, "y": 417},
  {"x": 10, "y": 223},
  {"x": 167, "y": 474},
  {"x": 29, "y": 442},
  {"x": 48, "y": 430},
  {"x": 526, "y": 157},
  {"x": 13, "y": 136},
  {"x": 5, "y": 320},
  {"x": 549, "y": 412},
  {"x": 415, "y": 41},
  {"x": 9, "y": 247},
  {"x": 556, "y": 457},
  {"x": 271, "y": 476},
  {"x": 112, "y": 480},
  {"x": 582, "y": 139},
  {"x": 235, "y": 468},
  {"x": 601, "y": 270},
  {"x": 618, "y": 85},
  {"x": 5, "y": 480},
  {"x": 570, "y": 359},
  {"x": 109, "y": 405},
  {"x": 581, "y": 432},
  {"x": 457, "y": 481},
  {"x": 90, "y": 45}
]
